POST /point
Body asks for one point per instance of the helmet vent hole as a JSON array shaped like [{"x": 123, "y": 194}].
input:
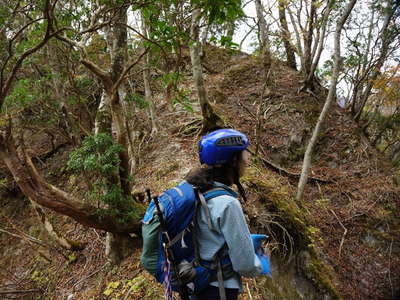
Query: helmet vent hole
[{"x": 230, "y": 141}]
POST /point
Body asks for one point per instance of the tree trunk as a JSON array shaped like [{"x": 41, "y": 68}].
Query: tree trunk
[
  {"x": 3, "y": 45},
  {"x": 369, "y": 41},
  {"x": 265, "y": 44},
  {"x": 113, "y": 90},
  {"x": 203, "y": 39},
  {"x": 362, "y": 69},
  {"x": 308, "y": 38},
  {"x": 210, "y": 119},
  {"x": 103, "y": 117},
  {"x": 291, "y": 59},
  {"x": 299, "y": 48},
  {"x": 33, "y": 186},
  {"x": 262, "y": 25},
  {"x": 308, "y": 41},
  {"x": 318, "y": 46},
  {"x": 146, "y": 80},
  {"x": 265, "y": 48},
  {"x": 329, "y": 99},
  {"x": 116, "y": 245}
]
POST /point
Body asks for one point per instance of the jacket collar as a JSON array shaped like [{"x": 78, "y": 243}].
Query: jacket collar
[{"x": 227, "y": 188}]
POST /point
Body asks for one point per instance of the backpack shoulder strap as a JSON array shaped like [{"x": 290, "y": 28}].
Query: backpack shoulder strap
[
  {"x": 203, "y": 203},
  {"x": 215, "y": 192}
]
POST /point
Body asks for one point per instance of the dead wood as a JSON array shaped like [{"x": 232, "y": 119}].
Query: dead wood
[{"x": 19, "y": 291}]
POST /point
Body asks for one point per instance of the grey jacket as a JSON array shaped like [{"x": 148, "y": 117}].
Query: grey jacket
[{"x": 230, "y": 226}]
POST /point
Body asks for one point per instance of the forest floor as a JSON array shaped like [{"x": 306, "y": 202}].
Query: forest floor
[{"x": 351, "y": 207}]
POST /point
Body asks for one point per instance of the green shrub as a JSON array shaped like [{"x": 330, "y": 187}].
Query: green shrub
[{"x": 98, "y": 158}]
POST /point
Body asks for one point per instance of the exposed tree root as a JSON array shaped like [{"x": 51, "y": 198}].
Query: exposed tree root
[{"x": 285, "y": 172}]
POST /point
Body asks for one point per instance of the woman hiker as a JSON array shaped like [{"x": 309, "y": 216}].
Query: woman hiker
[{"x": 224, "y": 158}]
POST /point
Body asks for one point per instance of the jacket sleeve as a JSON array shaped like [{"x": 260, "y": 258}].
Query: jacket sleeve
[{"x": 233, "y": 226}]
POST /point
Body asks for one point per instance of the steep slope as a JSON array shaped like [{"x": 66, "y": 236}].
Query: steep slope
[
  {"x": 341, "y": 241},
  {"x": 354, "y": 207}
]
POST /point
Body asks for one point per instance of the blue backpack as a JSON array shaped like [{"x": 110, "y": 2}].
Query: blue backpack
[{"x": 179, "y": 206}]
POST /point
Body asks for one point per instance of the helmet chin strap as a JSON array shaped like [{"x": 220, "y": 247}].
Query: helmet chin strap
[
  {"x": 240, "y": 187},
  {"x": 236, "y": 178}
]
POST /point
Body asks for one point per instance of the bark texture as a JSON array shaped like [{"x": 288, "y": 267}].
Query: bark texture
[
  {"x": 308, "y": 53},
  {"x": 264, "y": 40},
  {"x": 210, "y": 119},
  {"x": 289, "y": 49},
  {"x": 146, "y": 81},
  {"x": 315, "y": 55}
]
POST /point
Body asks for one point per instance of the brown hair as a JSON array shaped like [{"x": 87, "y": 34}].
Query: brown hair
[{"x": 203, "y": 178}]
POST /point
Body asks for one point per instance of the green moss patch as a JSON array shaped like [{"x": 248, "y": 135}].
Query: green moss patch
[{"x": 276, "y": 197}]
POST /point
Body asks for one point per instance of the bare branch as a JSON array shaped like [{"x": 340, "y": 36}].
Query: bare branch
[
  {"x": 344, "y": 233},
  {"x": 299, "y": 48},
  {"x": 72, "y": 42},
  {"x": 26, "y": 237},
  {"x": 104, "y": 76},
  {"x": 246, "y": 35},
  {"x": 94, "y": 28},
  {"x": 147, "y": 39},
  {"x": 319, "y": 42},
  {"x": 130, "y": 66},
  {"x": 93, "y": 20}
]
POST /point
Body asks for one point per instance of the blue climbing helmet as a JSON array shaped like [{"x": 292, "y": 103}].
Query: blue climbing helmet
[{"x": 220, "y": 146}]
